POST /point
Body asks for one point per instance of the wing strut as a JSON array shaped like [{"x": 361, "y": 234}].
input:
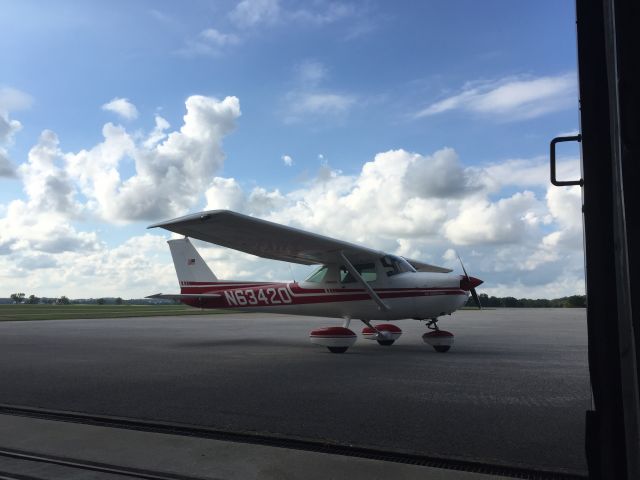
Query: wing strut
[{"x": 374, "y": 296}]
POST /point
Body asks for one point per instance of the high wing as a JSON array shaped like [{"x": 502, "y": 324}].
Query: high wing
[
  {"x": 272, "y": 240},
  {"x": 427, "y": 267}
]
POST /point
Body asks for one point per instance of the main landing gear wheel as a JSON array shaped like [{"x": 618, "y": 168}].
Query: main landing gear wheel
[
  {"x": 338, "y": 349},
  {"x": 441, "y": 348},
  {"x": 336, "y": 339},
  {"x": 384, "y": 334},
  {"x": 440, "y": 340}
]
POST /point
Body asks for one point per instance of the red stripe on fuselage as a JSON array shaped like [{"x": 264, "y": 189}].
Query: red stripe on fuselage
[{"x": 246, "y": 295}]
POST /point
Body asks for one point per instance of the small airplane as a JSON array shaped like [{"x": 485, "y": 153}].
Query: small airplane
[{"x": 351, "y": 282}]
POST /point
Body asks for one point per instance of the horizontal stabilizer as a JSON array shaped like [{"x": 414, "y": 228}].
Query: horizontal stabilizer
[{"x": 184, "y": 296}]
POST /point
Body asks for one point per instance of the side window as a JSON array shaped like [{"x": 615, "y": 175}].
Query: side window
[
  {"x": 318, "y": 275},
  {"x": 366, "y": 270},
  {"x": 388, "y": 265},
  {"x": 345, "y": 276}
]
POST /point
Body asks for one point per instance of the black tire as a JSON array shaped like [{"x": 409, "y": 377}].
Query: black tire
[
  {"x": 386, "y": 343},
  {"x": 337, "y": 349},
  {"x": 442, "y": 348}
]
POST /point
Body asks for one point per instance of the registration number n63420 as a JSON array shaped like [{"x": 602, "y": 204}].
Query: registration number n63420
[{"x": 258, "y": 296}]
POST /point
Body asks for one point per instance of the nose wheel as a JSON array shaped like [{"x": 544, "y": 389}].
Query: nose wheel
[{"x": 440, "y": 340}]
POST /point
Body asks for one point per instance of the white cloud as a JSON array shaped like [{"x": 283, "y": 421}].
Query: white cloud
[
  {"x": 505, "y": 241},
  {"x": 524, "y": 244},
  {"x": 254, "y": 13},
  {"x": 451, "y": 179},
  {"x": 170, "y": 176},
  {"x": 250, "y": 13},
  {"x": 334, "y": 12},
  {"x": 11, "y": 100},
  {"x": 122, "y": 107},
  {"x": 287, "y": 160},
  {"x": 530, "y": 172},
  {"x": 46, "y": 182},
  {"x": 308, "y": 101},
  {"x": 217, "y": 38},
  {"x": 313, "y": 105},
  {"x": 310, "y": 73},
  {"x": 138, "y": 267},
  {"x": 511, "y": 98},
  {"x": 8, "y": 128},
  {"x": 6, "y": 167},
  {"x": 504, "y": 221},
  {"x": 210, "y": 42}
]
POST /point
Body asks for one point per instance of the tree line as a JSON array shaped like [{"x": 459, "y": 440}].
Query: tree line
[
  {"x": 63, "y": 300},
  {"x": 573, "y": 301}
]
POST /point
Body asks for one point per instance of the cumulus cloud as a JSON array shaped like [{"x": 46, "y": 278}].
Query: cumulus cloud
[
  {"x": 8, "y": 129},
  {"x": 511, "y": 98},
  {"x": 504, "y": 221},
  {"x": 287, "y": 160},
  {"x": 170, "y": 175},
  {"x": 26, "y": 229},
  {"x": 441, "y": 175},
  {"x": 45, "y": 180},
  {"x": 507, "y": 238},
  {"x": 135, "y": 268},
  {"x": 419, "y": 205},
  {"x": 530, "y": 172},
  {"x": 6, "y": 167},
  {"x": 122, "y": 107},
  {"x": 41, "y": 247},
  {"x": 11, "y": 100}
]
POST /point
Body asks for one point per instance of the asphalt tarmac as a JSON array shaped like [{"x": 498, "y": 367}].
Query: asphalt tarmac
[{"x": 513, "y": 390}]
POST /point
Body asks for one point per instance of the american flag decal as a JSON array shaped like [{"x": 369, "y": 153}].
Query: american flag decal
[{"x": 191, "y": 261}]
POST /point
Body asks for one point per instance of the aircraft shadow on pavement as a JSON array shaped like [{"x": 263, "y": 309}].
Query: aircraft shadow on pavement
[{"x": 236, "y": 342}]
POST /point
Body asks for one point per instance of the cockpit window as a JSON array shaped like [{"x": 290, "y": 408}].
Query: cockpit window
[
  {"x": 318, "y": 275},
  {"x": 394, "y": 265}
]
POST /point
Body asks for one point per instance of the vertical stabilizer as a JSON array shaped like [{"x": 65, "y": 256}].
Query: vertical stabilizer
[{"x": 190, "y": 266}]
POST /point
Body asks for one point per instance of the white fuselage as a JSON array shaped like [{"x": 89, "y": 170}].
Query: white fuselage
[{"x": 407, "y": 295}]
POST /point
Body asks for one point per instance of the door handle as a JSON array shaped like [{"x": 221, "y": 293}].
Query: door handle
[{"x": 552, "y": 156}]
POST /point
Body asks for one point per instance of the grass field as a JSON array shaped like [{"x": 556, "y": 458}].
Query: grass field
[{"x": 61, "y": 312}]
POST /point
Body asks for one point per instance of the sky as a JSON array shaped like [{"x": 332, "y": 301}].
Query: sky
[{"x": 420, "y": 128}]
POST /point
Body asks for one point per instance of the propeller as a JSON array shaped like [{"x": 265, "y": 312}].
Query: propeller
[{"x": 473, "y": 282}]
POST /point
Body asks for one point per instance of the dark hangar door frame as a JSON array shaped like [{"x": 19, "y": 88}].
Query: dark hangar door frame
[{"x": 609, "y": 78}]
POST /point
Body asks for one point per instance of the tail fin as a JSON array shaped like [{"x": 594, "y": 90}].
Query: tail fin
[{"x": 190, "y": 266}]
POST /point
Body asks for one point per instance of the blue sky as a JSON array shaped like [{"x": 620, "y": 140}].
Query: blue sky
[{"x": 322, "y": 89}]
